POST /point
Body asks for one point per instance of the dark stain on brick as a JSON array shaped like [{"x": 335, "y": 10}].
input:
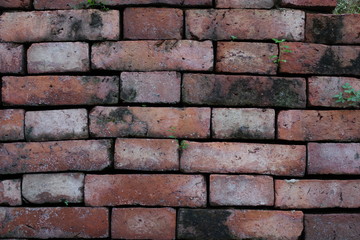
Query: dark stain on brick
[
  {"x": 76, "y": 30},
  {"x": 128, "y": 94},
  {"x": 245, "y": 132},
  {"x": 283, "y": 93},
  {"x": 96, "y": 20},
  {"x": 327, "y": 30},
  {"x": 330, "y": 63}
]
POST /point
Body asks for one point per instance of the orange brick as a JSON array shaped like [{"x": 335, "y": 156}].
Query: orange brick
[{"x": 12, "y": 124}]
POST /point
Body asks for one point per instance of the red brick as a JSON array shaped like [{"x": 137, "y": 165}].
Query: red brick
[
  {"x": 246, "y": 57},
  {"x": 150, "y": 87},
  {"x": 311, "y": 4},
  {"x": 143, "y": 223},
  {"x": 58, "y": 57},
  {"x": 153, "y": 23},
  {"x": 15, "y": 4},
  {"x": 46, "y": 222},
  {"x": 244, "y": 3},
  {"x": 150, "y": 122},
  {"x": 146, "y": 154},
  {"x": 56, "y": 125},
  {"x": 145, "y": 189},
  {"x": 310, "y": 58},
  {"x": 59, "y": 4},
  {"x": 69, "y": 25},
  {"x": 236, "y": 91},
  {"x": 31, "y": 157},
  {"x": 230, "y": 157},
  {"x": 332, "y": 226},
  {"x": 333, "y": 158},
  {"x": 10, "y": 192},
  {"x": 12, "y": 124},
  {"x": 218, "y": 24},
  {"x": 311, "y": 125},
  {"x": 241, "y": 190},
  {"x": 11, "y": 58},
  {"x": 243, "y": 123},
  {"x": 317, "y": 193},
  {"x": 165, "y": 55},
  {"x": 239, "y": 224}
]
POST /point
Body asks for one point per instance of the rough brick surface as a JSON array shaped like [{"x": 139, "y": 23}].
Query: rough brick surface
[
  {"x": 77, "y": 222},
  {"x": 11, "y": 58},
  {"x": 311, "y": 125},
  {"x": 60, "y": 90},
  {"x": 312, "y": 4},
  {"x": 56, "y": 125},
  {"x": 244, "y": 3},
  {"x": 239, "y": 224},
  {"x": 150, "y": 122},
  {"x": 222, "y": 157},
  {"x": 145, "y": 189},
  {"x": 70, "y": 25},
  {"x": 12, "y": 124},
  {"x": 143, "y": 223},
  {"x": 242, "y": 190},
  {"x": 245, "y": 24},
  {"x": 10, "y": 192},
  {"x": 54, "y": 156},
  {"x": 15, "y": 4},
  {"x": 317, "y": 193}
]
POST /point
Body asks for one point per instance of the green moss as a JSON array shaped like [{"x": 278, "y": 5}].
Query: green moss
[{"x": 347, "y": 6}]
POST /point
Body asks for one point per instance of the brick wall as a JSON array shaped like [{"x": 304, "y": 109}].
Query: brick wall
[{"x": 168, "y": 119}]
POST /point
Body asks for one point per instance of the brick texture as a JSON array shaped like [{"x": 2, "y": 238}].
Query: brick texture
[
  {"x": 313, "y": 4},
  {"x": 12, "y": 124},
  {"x": 11, "y": 58},
  {"x": 15, "y": 4},
  {"x": 244, "y": 3},
  {"x": 10, "y": 192}
]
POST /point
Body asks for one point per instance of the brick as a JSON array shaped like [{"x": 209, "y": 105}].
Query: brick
[
  {"x": 11, "y": 58},
  {"x": 145, "y": 189},
  {"x": 332, "y": 226},
  {"x": 15, "y": 4},
  {"x": 310, "y": 58},
  {"x": 68, "y": 25},
  {"x": 146, "y": 154},
  {"x": 53, "y": 188},
  {"x": 58, "y": 57},
  {"x": 59, "y": 156},
  {"x": 150, "y": 87},
  {"x": 249, "y": 24},
  {"x": 60, "y": 90},
  {"x": 317, "y": 193},
  {"x": 10, "y": 192},
  {"x": 243, "y": 123},
  {"x": 165, "y": 55},
  {"x": 153, "y": 23},
  {"x": 333, "y": 158},
  {"x": 312, "y": 125},
  {"x": 241, "y": 190},
  {"x": 56, "y": 125},
  {"x": 143, "y": 223},
  {"x": 310, "y": 4},
  {"x": 246, "y": 57},
  {"x": 238, "y": 91},
  {"x": 58, "y": 222},
  {"x": 12, "y": 124},
  {"x": 150, "y": 122},
  {"x": 231, "y": 157},
  {"x": 239, "y": 224},
  {"x": 244, "y": 3}
]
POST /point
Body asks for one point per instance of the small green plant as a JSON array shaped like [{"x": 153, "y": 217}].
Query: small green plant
[
  {"x": 66, "y": 202},
  {"x": 233, "y": 38},
  {"x": 349, "y": 95},
  {"x": 283, "y": 49},
  {"x": 96, "y": 4},
  {"x": 182, "y": 144},
  {"x": 347, "y": 6}
]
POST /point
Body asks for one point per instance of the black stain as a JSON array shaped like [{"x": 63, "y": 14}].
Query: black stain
[
  {"x": 327, "y": 30},
  {"x": 96, "y": 20},
  {"x": 128, "y": 94}
]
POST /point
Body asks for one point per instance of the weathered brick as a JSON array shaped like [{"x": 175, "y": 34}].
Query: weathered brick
[
  {"x": 244, "y": 3},
  {"x": 150, "y": 122},
  {"x": 15, "y": 4},
  {"x": 238, "y": 224},
  {"x": 59, "y": 4},
  {"x": 310, "y": 58},
  {"x": 11, "y": 58},
  {"x": 249, "y": 24},
  {"x": 236, "y": 91},
  {"x": 153, "y": 55},
  {"x": 10, "y": 192},
  {"x": 311, "y": 4},
  {"x": 332, "y": 226},
  {"x": 56, "y": 125},
  {"x": 246, "y": 57},
  {"x": 68, "y": 25},
  {"x": 153, "y": 23},
  {"x": 333, "y": 158},
  {"x": 146, "y": 154},
  {"x": 53, "y": 188},
  {"x": 243, "y": 123},
  {"x": 143, "y": 223},
  {"x": 12, "y": 124},
  {"x": 145, "y": 189},
  {"x": 58, "y": 57},
  {"x": 60, "y": 90},
  {"x": 46, "y": 222},
  {"x": 229, "y": 157},
  {"x": 311, "y": 125},
  {"x": 31, "y": 157},
  {"x": 150, "y": 87},
  {"x": 241, "y": 190},
  {"x": 317, "y": 193}
]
